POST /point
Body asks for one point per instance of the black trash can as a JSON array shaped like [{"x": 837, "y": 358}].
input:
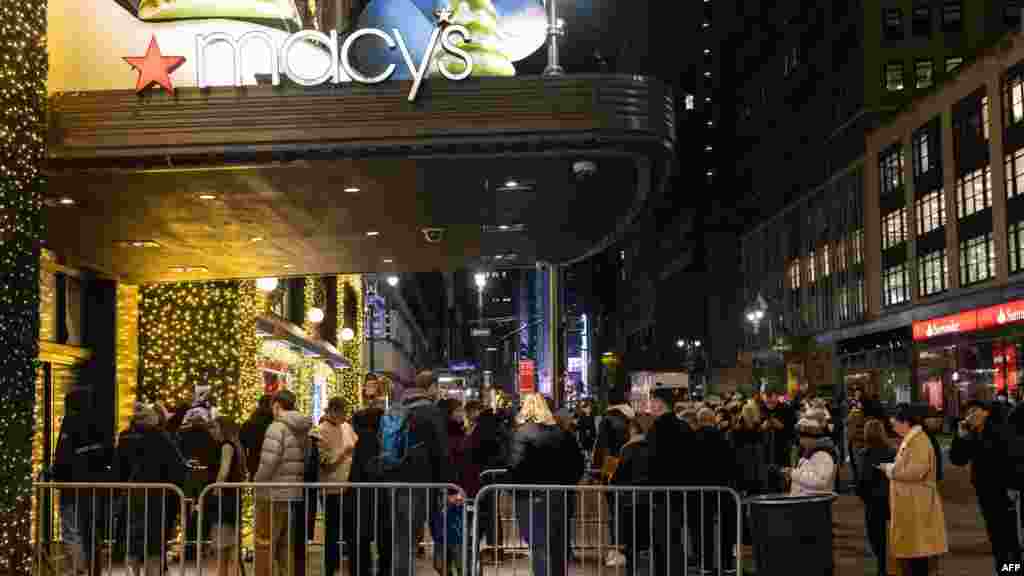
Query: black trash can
[{"x": 787, "y": 529}]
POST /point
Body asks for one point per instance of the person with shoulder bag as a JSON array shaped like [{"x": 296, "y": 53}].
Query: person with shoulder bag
[{"x": 337, "y": 446}]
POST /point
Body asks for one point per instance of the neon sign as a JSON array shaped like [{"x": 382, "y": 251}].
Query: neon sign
[
  {"x": 980, "y": 319},
  {"x": 453, "y": 62}
]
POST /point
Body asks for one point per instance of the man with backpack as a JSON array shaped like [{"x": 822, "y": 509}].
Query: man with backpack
[{"x": 413, "y": 450}]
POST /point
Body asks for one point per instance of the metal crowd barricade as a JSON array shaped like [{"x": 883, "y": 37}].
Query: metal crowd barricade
[
  {"x": 102, "y": 527},
  {"x": 365, "y": 528},
  {"x": 660, "y": 531}
]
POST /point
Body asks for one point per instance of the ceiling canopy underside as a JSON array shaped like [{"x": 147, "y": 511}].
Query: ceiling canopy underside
[{"x": 269, "y": 182}]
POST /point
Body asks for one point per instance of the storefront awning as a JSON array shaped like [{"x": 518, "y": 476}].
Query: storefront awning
[{"x": 274, "y": 327}]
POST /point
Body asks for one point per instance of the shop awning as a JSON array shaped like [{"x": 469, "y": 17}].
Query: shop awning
[{"x": 277, "y": 328}]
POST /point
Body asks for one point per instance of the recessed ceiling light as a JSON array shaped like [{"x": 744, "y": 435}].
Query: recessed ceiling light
[
  {"x": 373, "y": 233},
  {"x": 352, "y": 189},
  {"x": 207, "y": 196},
  {"x": 503, "y": 227},
  {"x": 289, "y": 266},
  {"x": 511, "y": 184},
  {"x": 257, "y": 239},
  {"x": 388, "y": 261},
  {"x": 139, "y": 244},
  {"x": 66, "y": 201},
  {"x": 187, "y": 269}
]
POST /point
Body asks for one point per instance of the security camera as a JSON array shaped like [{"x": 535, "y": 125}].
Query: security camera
[
  {"x": 584, "y": 169},
  {"x": 433, "y": 235}
]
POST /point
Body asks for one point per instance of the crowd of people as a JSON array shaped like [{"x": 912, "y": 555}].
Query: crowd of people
[{"x": 759, "y": 445}]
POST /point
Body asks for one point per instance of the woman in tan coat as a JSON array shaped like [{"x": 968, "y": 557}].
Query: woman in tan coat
[{"x": 917, "y": 526}]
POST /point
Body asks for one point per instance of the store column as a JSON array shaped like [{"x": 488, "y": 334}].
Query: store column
[
  {"x": 999, "y": 238},
  {"x": 949, "y": 169}
]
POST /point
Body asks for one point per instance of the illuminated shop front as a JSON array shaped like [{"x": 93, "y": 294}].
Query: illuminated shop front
[
  {"x": 968, "y": 356},
  {"x": 878, "y": 365}
]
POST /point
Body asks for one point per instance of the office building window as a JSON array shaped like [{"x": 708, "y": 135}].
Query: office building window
[
  {"x": 923, "y": 161},
  {"x": 974, "y": 192},
  {"x": 952, "y": 15},
  {"x": 924, "y": 71},
  {"x": 933, "y": 273},
  {"x": 844, "y": 303},
  {"x": 977, "y": 259},
  {"x": 857, "y": 246},
  {"x": 931, "y": 212},
  {"x": 1015, "y": 173},
  {"x": 893, "y": 23},
  {"x": 895, "y": 285},
  {"x": 986, "y": 123},
  {"x": 1013, "y": 98},
  {"x": 1011, "y": 15},
  {"x": 921, "y": 23},
  {"x": 953, "y": 64},
  {"x": 811, "y": 261},
  {"x": 689, "y": 101},
  {"x": 894, "y": 228},
  {"x": 890, "y": 168},
  {"x": 794, "y": 275},
  {"x": 1015, "y": 246},
  {"x": 841, "y": 255},
  {"x": 826, "y": 265},
  {"x": 893, "y": 76}
]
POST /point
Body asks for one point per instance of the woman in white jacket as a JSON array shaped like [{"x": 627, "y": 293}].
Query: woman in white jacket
[
  {"x": 337, "y": 444},
  {"x": 816, "y": 472}
]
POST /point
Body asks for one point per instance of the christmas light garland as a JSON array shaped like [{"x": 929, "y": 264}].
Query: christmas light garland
[
  {"x": 23, "y": 72},
  {"x": 351, "y": 381}
]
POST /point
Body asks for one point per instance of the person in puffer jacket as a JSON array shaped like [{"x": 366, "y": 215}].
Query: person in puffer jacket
[
  {"x": 816, "y": 471},
  {"x": 282, "y": 459}
]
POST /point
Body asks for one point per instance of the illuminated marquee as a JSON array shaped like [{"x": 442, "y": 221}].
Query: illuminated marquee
[
  {"x": 340, "y": 67},
  {"x": 970, "y": 321}
]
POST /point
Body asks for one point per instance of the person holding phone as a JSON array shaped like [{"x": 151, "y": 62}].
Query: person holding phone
[{"x": 872, "y": 487}]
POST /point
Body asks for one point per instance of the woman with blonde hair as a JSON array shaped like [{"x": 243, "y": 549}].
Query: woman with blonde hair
[{"x": 541, "y": 453}]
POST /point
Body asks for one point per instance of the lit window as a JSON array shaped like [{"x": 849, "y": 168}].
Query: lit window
[
  {"x": 857, "y": 246},
  {"x": 841, "y": 255},
  {"x": 1015, "y": 246},
  {"x": 895, "y": 286},
  {"x": 1013, "y": 99},
  {"x": 922, "y": 153},
  {"x": 794, "y": 275},
  {"x": 977, "y": 259},
  {"x": 1015, "y": 173},
  {"x": 953, "y": 64},
  {"x": 707, "y": 74},
  {"x": 924, "y": 71},
  {"x": 933, "y": 273},
  {"x": 689, "y": 101},
  {"x": 921, "y": 24},
  {"x": 894, "y": 76},
  {"x": 974, "y": 192},
  {"x": 985, "y": 124},
  {"x": 894, "y": 228},
  {"x": 931, "y": 212},
  {"x": 811, "y": 268},
  {"x": 893, "y": 23},
  {"x": 890, "y": 167},
  {"x": 826, "y": 266}
]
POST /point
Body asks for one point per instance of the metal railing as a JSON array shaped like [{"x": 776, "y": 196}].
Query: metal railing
[
  {"x": 656, "y": 530},
  {"x": 100, "y": 525},
  {"x": 317, "y": 528}
]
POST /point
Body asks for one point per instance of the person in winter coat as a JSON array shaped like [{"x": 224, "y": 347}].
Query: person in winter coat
[
  {"x": 982, "y": 442},
  {"x": 873, "y": 488},
  {"x": 816, "y": 472},
  {"x": 372, "y": 506},
  {"x": 146, "y": 455},
  {"x": 634, "y": 508},
  {"x": 714, "y": 468},
  {"x": 917, "y": 531},
  {"x": 82, "y": 455},
  {"x": 667, "y": 439},
  {"x": 223, "y": 504},
  {"x": 426, "y": 463},
  {"x": 611, "y": 437},
  {"x": 279, "y": 511},
  {"x": 855, "y": 422},
  {"x": 541, "y": 454},
  {"x": 780, "y": 426},
  {"x": 586, "y": 426},
  {"x": 254, "y": 430},
  {"x": 337, "y": 446},
  {"x": 487, "y": 452}
]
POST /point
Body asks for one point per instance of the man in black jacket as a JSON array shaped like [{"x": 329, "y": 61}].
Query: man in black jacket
[
  {"x": 612, "y": 435},
  {"x": 426, "y": 462},
  {"x": 713, "y": 463},
  {"x": 82, "y": 455},
  {"x": 668, "y": 439},
  {"x": 780, "y": 425},
  {"x": 372, "y": 505},
  {"x": 983, "y": 441}
]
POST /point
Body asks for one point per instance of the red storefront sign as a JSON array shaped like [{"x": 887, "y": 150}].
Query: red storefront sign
[
  {"x": 526, "y": 377},
  {"x": 980, "y": 319},
  {"x": 955, "y": 324}
]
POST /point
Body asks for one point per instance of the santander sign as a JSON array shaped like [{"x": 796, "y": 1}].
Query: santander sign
[{"x": 979, "y": 319}]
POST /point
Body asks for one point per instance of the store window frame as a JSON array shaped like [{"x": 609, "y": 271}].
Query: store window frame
[
  {"x": 1014, "y": 171},
  {"x": 1015, "y": 246},
  {"x": 952, "y": 16},
  {"x": 970, "y": 197},
  {"x": 931, "y": 212},
  {"x": 975, "y": 269},
  {"x": 893, "y": 77},
  {"x": 857, "y": 246},
  {"x": 953, "y": 64},
  {"x": 933, "y": 273},
  {"x": 894, "y": 228},
  {"x": 924, "y": 157},
  {"x": 890, "y": 168},
  {"x": 1013, "y": 98}
]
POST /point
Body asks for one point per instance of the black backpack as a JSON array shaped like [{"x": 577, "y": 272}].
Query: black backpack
[{"x": 311, "y": 473}]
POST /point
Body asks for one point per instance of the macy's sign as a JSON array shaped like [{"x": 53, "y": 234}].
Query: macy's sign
[{"x": 339, "y": 67}]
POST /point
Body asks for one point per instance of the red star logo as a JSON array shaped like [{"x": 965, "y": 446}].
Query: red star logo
[{"x": 154, "y": 67}]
